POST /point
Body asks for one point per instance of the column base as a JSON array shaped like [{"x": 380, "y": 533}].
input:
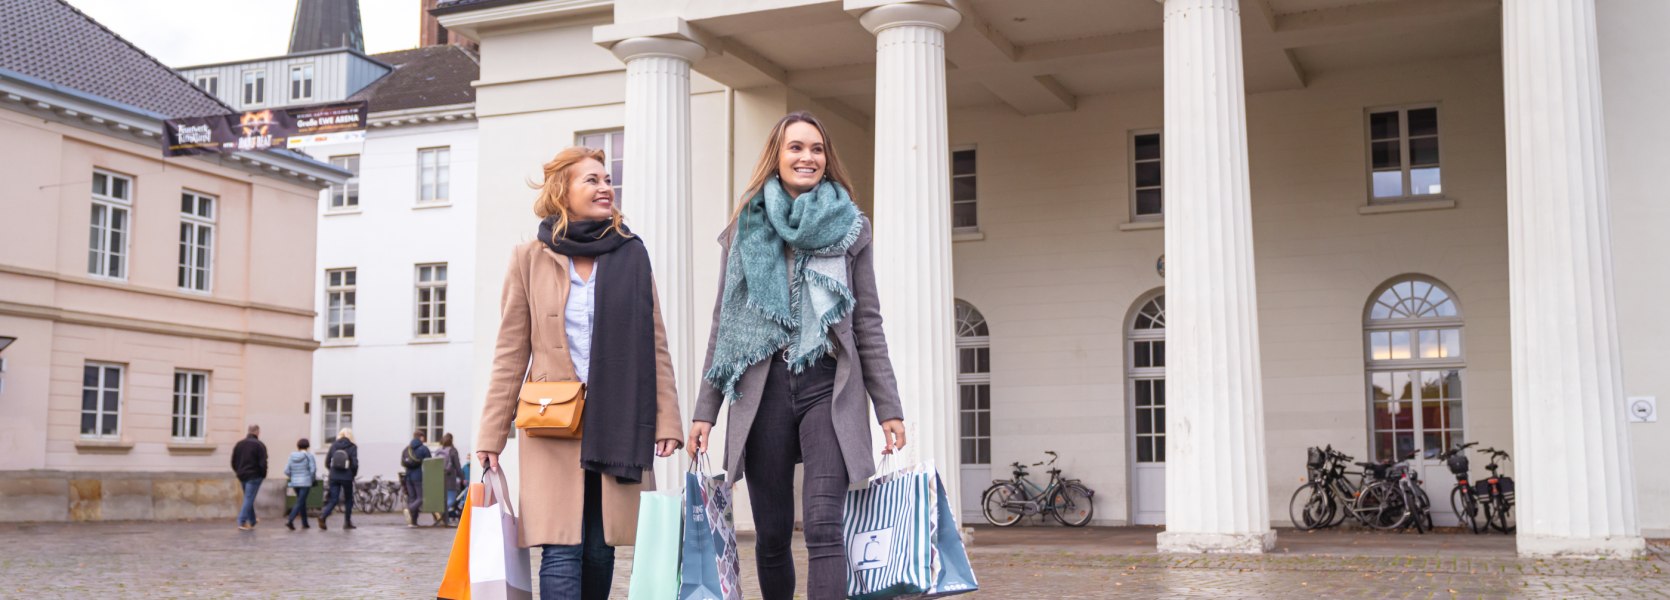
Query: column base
[
  {"x": 1217, "y": 543},
  {"x": 1544, "y": 546}
]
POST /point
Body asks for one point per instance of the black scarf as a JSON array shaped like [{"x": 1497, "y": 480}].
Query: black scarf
[{"x": 618, "y": 435}]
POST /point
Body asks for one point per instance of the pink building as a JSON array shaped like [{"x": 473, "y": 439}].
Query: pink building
[{"x": 158, "y": 306}]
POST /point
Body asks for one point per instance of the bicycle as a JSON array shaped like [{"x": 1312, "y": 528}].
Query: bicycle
[
  {"x": 1417, "y": 507},
  {"x": 1328, "y": 489},
  {"x": 1008, "y": 500},
  {"x": 1495, "y": 493},
  {"x": 1463, "y": 498}
]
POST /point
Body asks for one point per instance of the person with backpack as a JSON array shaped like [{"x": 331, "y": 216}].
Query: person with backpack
[
  {"x": 343, "y": 459},
  {"x": 412, "y": 459},
  {"x": 301, "y": 470},
  {"x": 249, "y": 461}
]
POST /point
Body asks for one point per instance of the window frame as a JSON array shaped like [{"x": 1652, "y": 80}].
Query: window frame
[
  {"x": 111, "y": 204},
  {"x": 1403, "y": 139},
  {"x": 306, "y": 81},
  {"x": 349, "y": 189},
  {"x": 974, "y": 378},
  {"x": 443, "y": 164},
  {"x": 345, "y": 309},
  {"x": 195, "y": 222},
  {"x": 253, "y": 91},
  {"x": 1415, "y": 363},
  {"x": 330, "y": 415},
  {"x": 951, "y": 187},
  {"x": 432, "y": 285},
  {"x": 98, "y": 405},
  {"x": 209, "y": 83},
  {"x": 425, "y": 404},
  {"x": 1131, "y": 175},
  {"x": 611, "y": 138},
  {"x": 1134, "y": 373},
  {"x": 200, "y": 418}
]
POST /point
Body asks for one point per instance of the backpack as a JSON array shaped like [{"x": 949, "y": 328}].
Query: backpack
[
  {"x": 409, "y": 460},
  {"x": 339, "y": 460}
]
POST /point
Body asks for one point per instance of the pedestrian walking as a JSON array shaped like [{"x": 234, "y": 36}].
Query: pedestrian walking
[
  {"x": 343, "y": 460},
  {"x": 797, "y": 347},
  {"x": 249, "y": 461},
  {"x": 454, "y": 469},
  {"x": 591, "y": 275},
  {"x": 302, "y": 471},
  {"x": 412, "y": 459}
]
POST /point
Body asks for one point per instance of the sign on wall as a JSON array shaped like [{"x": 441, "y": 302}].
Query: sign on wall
[
  {"x": 1643, "y": 409},
  {"x": 255, "y": 130}
]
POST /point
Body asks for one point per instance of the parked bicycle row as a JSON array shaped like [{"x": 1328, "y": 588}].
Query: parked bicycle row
[{"x": 1389, "y": 495}]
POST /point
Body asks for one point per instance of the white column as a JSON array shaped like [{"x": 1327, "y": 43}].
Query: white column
[
  {"x": 656, "y": 197},
  {"x": 1576, "y": 494},
  {"x": 1216, "y": 497},
  {"x": 913, "y": 225}
]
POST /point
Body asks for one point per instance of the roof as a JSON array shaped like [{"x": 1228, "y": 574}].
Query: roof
[
  {"x": 247, "y": 61},
  {"x": 451, "y": 6},
  {"x": 321, "y": 24},
  {"x": 422, "y": 78},
  {"x": 52, "y": 41}
]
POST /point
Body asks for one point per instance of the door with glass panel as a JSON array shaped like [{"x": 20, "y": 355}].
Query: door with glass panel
[
  {"x": 1145, "y": 376},
  {"x": 974, "y": 397},
  {"x": 1416, "y": 370}
]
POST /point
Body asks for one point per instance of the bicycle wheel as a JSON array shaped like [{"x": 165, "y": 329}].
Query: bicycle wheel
[
  {"x": 1311, "y": 507},
  {"x": 1466, "y": 507},
  {"x": 1497, "y": 516},
  {"x": 994, "y": 504},
  {"x": 1072, "y": 505},
  {"x": 1381, "y": 506},
  {"x": 1420, "y": 508}
]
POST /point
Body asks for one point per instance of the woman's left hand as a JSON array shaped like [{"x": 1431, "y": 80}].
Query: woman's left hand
[
  {"x": 894, "y": 431},
  {"x": 665, "y": 448}
]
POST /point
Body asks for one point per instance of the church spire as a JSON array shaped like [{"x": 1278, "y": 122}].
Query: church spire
[{"x": 321, "y": 24}]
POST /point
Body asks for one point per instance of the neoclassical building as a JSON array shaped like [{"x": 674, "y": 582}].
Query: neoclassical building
[{"x": 1175, "y": 242}]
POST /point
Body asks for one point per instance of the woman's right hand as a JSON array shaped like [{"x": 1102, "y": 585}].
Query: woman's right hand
[
  {"x": 488, "y": 460},
  {"x": 697, "y": 441}
]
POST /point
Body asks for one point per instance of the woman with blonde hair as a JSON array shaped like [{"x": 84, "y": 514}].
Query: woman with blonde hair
[
  {"x": 797, "y": 347},
  {"x": 579, "y": 304},
  {"x": 343, "y": 461}
]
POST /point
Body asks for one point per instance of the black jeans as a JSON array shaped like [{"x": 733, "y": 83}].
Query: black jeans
[
  {"x": 301, "y": 505},
  {"x": 582, "y": 571},
  {"x": 343, "y": 492},
  {"x": 794, "y": 425}
]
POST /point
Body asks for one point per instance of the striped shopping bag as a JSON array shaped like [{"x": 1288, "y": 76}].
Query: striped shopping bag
[{"x": 902, "y": 540}]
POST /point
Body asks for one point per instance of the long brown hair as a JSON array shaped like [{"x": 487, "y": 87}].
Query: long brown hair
[
  {"x": 553, "y": 192},
  {"x": 767, "y": 167}
]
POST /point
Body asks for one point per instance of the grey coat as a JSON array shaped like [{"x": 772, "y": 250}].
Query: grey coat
[{"x": 863, "y": 372}]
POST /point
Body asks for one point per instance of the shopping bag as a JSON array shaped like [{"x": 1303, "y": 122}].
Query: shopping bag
[
  {"x": 455, "y": 583},
  {"x": 710, "y": 570},
  {"x": 655, "y": 553},
  {"x": 902, "y": 539},
  {"x": 499, "y": 568}
]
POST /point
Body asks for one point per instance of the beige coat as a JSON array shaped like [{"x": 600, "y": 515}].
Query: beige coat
[{"x": 552, "y": 493}]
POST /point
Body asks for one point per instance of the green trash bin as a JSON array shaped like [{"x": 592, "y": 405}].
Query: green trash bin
[
  {"x": 315, "y": 498},
  {"x": 434, "y": 485}
]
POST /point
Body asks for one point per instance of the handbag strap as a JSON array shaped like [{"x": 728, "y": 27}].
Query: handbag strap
[{"x": 496, "y": 490}]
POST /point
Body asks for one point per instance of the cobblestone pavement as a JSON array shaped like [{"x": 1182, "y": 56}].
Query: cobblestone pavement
[{"x": 383, "y": 559}]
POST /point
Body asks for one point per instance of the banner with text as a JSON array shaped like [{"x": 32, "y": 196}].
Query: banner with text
[{"x": 253, "y": 130}]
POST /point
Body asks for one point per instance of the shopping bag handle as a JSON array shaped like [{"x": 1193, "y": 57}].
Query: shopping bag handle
[
  {"x": 496, "y": 490},
  {"x": 700, "y": 464}
]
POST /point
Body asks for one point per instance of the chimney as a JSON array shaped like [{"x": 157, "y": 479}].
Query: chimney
[{"x": 431, "y": 33}]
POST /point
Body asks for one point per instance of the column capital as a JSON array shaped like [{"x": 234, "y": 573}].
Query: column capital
[
  {"x": 920, "y": 14},
  {"x": 639, "y": 47},
  {"x": 667, "y": 36}
]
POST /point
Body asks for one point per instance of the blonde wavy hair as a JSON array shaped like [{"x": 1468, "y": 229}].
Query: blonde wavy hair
[
  {"x": 553, "y": 191},
  {"x": 767, "y": 165}
]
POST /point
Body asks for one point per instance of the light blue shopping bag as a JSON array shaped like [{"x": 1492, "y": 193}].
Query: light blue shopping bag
[
  {"x": 902, "y": 539},
  {"x": 655, "y": 552}
]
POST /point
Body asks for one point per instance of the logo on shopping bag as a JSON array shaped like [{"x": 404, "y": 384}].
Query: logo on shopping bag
[{"x": 870, "y": 549}]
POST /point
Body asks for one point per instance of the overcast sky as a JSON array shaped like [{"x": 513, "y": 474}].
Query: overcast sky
[{"x": 182, "y": 33}]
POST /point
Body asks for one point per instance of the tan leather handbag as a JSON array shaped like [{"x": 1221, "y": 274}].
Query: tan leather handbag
[{"x": 551, "y": 408}]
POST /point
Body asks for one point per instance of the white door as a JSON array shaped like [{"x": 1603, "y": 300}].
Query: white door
[
  {"x": 1146, "y": 390},
  {"x": 974, "y": 409},
  {"x": 1413, "y": 340}
]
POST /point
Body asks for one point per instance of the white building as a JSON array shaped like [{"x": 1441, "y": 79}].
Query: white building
[{"x": 1329, "y": 168}]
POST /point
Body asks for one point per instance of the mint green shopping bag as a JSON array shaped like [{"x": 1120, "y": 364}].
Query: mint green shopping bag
[{"x": 655, "y": 554}]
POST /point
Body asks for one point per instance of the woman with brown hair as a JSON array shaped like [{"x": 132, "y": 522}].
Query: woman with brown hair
[
  {"x": 579, "y": 305},
  {"x": 797, "y": 347}
]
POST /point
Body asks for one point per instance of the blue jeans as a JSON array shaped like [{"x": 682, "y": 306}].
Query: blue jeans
[
  {"x": 582, "y": 571},
  {"x": 339, "y": 492},
  {"x": 301, "y": 505},
  {"x": 247, "y": 515}
]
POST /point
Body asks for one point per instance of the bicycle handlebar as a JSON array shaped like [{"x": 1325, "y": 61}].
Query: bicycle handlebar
[{"x": 1456, "y": 450}]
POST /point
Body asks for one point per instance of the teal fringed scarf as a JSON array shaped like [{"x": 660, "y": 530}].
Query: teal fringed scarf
[{"x": 763, "y": 309}]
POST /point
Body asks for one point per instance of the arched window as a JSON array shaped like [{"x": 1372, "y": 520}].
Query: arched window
[
  {"x": 974, "y": 385},
  {"x": 1147, "y": 373},
  {"x": 1415, "y": 363}
]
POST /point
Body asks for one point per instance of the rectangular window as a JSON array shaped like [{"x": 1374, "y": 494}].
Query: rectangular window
[
  {"x": 301, "y": 82},
  {"x": 964, "y": 216},
  {"x": 197, "y": 236},
  {"x": 1403, "y": 153},
  {"x": 428, "y": 414},
  {"x": 431, "y": 300},
  {"x": 613, "y": 145},
  {"x": 338, "y": 414},
  {"x": 210, "y": 84},
  {"x": 339, "y": 304},
  {"x": 101, "y": 401},
  {"x": 434, "y": 175},
  {"x": 1147, "y": 197},
  {"x": 974, "y": 390},
  {"x": 346, "y": 195},
  {"x": 191, "y": 390},
  {"x": 255, "y": 87},
  {"x": 107, "y": 247}
]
